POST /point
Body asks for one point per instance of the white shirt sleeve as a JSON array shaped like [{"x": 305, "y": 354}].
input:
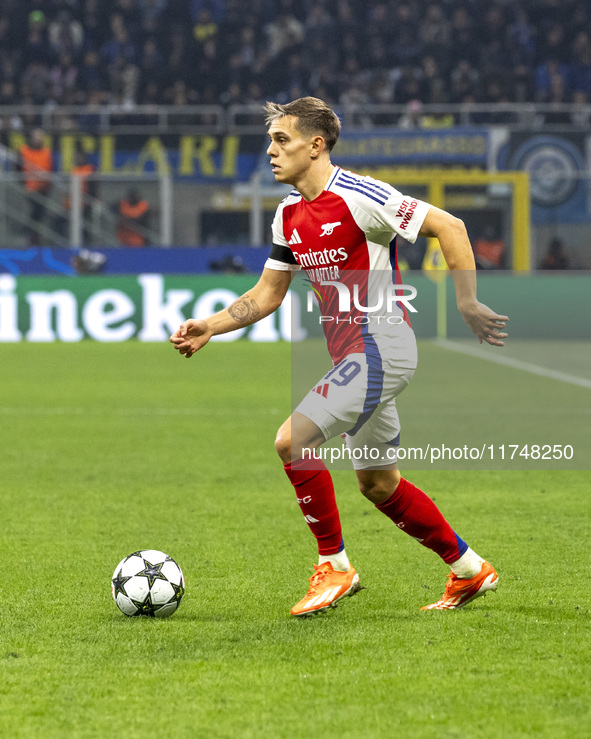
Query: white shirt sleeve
[
  {"x": 277, "y": 228},
  {"x": 380, "y": 208},
  {"x": 404, "y": 215},
  {"x": 281, "y": 250},
  {"x": 281, "y": 266}
]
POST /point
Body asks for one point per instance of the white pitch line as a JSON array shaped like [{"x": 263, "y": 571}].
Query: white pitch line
[{"x": 534, "y": 369}]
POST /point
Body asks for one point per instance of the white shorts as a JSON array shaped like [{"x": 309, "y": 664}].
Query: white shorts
[{"x": 357, "y": 399}]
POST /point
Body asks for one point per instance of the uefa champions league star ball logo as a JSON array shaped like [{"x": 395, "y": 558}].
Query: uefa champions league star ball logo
[{"x": 148, "y": 583}]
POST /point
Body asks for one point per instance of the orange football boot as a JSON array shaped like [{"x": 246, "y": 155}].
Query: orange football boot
[
  {"x": 327, "y": 586},
  {"x": 459, "y": 592}
]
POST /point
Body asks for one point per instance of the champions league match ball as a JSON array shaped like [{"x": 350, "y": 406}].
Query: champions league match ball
[{"x": 148, "y": 583}]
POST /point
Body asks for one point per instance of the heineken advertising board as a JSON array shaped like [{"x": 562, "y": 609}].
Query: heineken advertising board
[{"x": 150, "y": 307}]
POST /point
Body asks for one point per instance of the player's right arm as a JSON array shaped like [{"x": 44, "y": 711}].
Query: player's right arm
[
  {"x": 455, "y": 245},
  {"x": 264, "y": 298}
]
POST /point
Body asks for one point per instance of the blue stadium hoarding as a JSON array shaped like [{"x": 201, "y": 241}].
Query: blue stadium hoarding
[
  {"x": 445, "y": 146},
  {"x": 188, "y": 157},
  {"x": 233, "y": 158},
  {"x": 120, "y": 261}
]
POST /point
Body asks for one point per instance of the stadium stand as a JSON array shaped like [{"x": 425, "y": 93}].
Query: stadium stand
[{"x": 135, "y": 52}]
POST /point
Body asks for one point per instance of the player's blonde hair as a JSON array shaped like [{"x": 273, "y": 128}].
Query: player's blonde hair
[{"x": 313, "y": 117}]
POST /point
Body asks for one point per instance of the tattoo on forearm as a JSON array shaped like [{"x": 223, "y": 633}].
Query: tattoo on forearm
[{"x": 244, "y": 309}]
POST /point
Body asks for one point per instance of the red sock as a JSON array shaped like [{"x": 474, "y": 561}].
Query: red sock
[
  {"x": 315, "y": 495},
  {"x": 418, "y": 516}
]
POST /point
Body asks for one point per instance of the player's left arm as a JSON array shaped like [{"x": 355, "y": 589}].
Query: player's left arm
[{"x": 457, "y": 250}]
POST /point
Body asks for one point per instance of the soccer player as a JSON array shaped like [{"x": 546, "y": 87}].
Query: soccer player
[{"x": 336, "y": 225}]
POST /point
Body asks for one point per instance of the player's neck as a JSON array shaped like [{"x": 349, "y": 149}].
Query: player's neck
[{"x": 315, "y": 180}]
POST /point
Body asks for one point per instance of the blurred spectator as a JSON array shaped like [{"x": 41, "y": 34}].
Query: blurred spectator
[
  {"x": 119, "y": 44},
  {"x": 181, "y": 59},
  {"x": 63, "y": 77},
  {"x": 580, "y": 117},
  {"x": 408, "y": 49},
  {"x": 438, "y": 120},
  {"x": 464, "y": 81},
  {"x": 151, "y": 65},
  {"x": 88, "y": 262},
  {"x": 465, "y": 43},
  {"x": 408, "y": 86},
  {"x": 550, "y": 76},
  {"x": 35, "y": 83},
  {"x": 346, "y": 18},
  {"x": 556, "y": 257},
  {"x": 94, "y": 29},
  {"x": 205, "y": 26},
  {"x": 92, "y": 75},
  {"x": 522, "y": 38},
  {"x": 229, "y": 265},
  {"x": 554, "y": 43},
  {"x": 432, "y": 81},
  {"x": 581, "y": 57},
  {"x": 319, "y": 25},
  {"x": 354, "y": 84},
  {"x": 413, "y": 116},
  {"x": 382, "y": 88},
  {"x": 558, "y": 95},
  {"x": 6, "y": 41},
  {"x": 435, "y": 31},
  {"x": 377, "y": 56},
  {"x": 36, "y": 48},
  {"x": 131, "y": 14},
  {"x": 82, "y": 169},
  {"x": 65, "y": 33},
  {"x": 523, "y": 83},
  {"x": 36, "y": 162},
  {"x": 150, "y": 95},
  {"x": 438, "y": 51},
  {"x": 282, "y": 32},
  {"x": 215, "y": 9},
  {"x": 133, "y": 219},
  {"x": 151, "y": 11},
  {"x": 489, "y": 249},
  {"x": 247, "y": 50},
  {"x": 123, "y": 80},
  {"x": 8, "y": 94}
]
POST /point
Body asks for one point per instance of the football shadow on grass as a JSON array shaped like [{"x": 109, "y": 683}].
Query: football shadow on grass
[
  {"x": 185, "y": 618},
  {"x": 116, "y": 618}
]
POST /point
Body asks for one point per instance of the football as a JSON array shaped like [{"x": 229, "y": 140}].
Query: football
[{"x": 148, "y": 583}]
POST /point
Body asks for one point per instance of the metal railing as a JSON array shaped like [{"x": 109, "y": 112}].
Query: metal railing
[
  {"x": 68, "y": 216},
  {"x": 217, "y": 119},
  {"x": 117, "y": 119}
]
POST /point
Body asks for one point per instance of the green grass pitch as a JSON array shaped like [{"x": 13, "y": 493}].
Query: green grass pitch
[{"x": 109, "y": 448}]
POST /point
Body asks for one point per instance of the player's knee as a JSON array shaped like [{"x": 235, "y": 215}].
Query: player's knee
[
  {"x": 378, "y": 488},
  {"x": 371, "y": 489},
  {"x": 283, "y": 445}
]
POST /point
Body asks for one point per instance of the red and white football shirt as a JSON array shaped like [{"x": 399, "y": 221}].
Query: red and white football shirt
[{"x": 348, "y": 235}]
